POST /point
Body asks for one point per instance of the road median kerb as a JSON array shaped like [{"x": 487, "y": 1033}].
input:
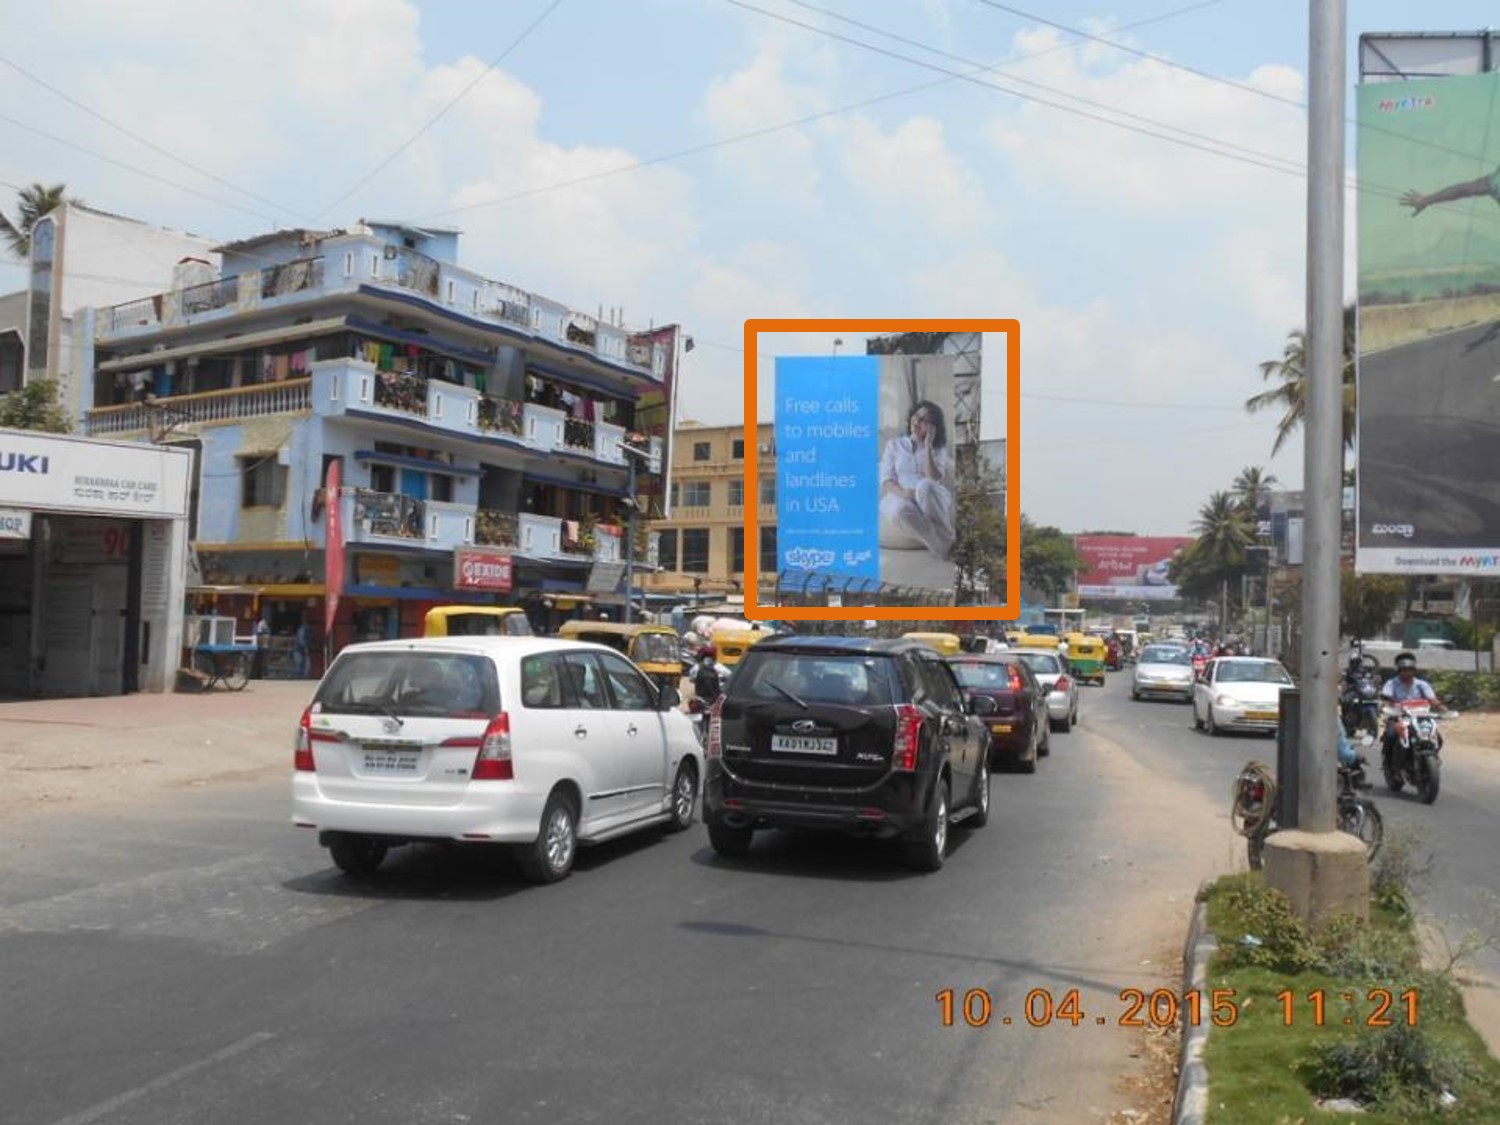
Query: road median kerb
[{"x": 1191, "y": 1105}]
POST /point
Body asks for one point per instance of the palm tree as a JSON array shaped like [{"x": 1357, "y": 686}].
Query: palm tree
[
  {"x": 1252, "y": 488},
  {"x": 1224, "y": 531},
  {"x": 34, "y": 202},
  {"x": 1290, "y": 395}
]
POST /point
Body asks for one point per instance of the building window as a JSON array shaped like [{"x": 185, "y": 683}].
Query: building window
[
  {"x": 262, "y": 481},
  {"x": 382, "y": 478},
  {"x": 697, "y": 493},
  {"x": 736, "y": 493},
  {"x": 695, "y": 550},
  {"x": 702, "y": 451},
  {"x": 736, "y": 550},
  {"x": 768, "y": 490},
  {"x": 666, "y": 549},
  {"x": 349, "y": 263},
  {"x": 769, "y": 564},
  {"x": 441, "y": 488},
  {"x": 737, "y": 449}
]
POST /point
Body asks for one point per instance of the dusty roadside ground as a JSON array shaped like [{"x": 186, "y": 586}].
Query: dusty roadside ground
[{"x": 58, "y": 754}]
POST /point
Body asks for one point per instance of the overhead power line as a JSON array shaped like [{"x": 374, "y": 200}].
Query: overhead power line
[
  {"x": 152, "y": 145},
  {"x": 436, "y": 117},
  {"x": 795, "y": 123}
]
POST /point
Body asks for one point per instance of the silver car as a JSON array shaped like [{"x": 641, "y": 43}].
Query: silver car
[
  {"x": 1061, "y": 688},
  {"x": 1163, "y": 672}
]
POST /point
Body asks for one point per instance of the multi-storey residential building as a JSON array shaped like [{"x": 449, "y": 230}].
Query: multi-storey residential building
[
  {"x": 702, "y": 547},
  {"x": 455, "y": 412}
]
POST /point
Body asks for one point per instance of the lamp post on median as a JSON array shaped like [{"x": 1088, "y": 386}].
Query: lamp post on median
[{"x": 631, "y": 453}]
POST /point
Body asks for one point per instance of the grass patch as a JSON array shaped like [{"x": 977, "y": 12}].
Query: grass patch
[{"x": 1264, "y": 1069}]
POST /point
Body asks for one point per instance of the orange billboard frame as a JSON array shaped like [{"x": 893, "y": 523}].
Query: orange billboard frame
[{"x": 1010, "y": 609}]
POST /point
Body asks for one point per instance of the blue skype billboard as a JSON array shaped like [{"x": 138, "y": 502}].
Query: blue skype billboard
[{"x": 827, "y": 461}]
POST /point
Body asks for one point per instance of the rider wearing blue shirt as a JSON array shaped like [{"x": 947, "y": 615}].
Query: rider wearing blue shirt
[{"x": 1406, "y": 687}]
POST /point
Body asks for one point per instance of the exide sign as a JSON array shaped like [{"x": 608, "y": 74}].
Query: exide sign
[{"x": 477, "y": 569}]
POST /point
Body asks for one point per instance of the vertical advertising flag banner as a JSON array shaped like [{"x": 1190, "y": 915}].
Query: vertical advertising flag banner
[
  {"x": 1428, "y": 493},
  {"x": 333, "y": 552},
  {"x": 827, "y": 450},
  {"x": 1128, "y": 566}
]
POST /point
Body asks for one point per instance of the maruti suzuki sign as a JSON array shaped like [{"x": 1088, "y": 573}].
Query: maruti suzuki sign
[
  {"x": 477, "y": 568},
  {"x": 59, "y": 472}
]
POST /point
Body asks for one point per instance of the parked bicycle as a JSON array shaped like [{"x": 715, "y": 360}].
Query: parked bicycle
[{"x": 1253, "y": 809}]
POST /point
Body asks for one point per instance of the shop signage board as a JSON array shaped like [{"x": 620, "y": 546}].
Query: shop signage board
[
  {"x": 482, "y": 568},
  {"x": 58, "y": 472}
]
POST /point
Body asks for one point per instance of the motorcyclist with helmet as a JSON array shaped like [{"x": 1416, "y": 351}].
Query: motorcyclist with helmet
[
  {"x": 1404, "y": 687},
  {"x": 706, "y": 683}
]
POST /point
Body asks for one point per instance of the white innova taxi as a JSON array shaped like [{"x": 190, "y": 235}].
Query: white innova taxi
[{"x": 530, "y": 741}]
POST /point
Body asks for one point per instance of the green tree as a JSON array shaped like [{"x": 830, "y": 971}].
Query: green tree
[
  {"x": 1252, "y": 488},
  {"x": 979, "y": 552},
  {"x": 34, "y": 407},
  {"x": 32, "y": 203},
  {"x": 1049, "y": 559},
  {"x": 1367, "y": 601},
  {"x": 1289, "y": 394}
]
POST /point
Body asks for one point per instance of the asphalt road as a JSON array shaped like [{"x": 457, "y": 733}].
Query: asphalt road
[
  {"x": 202, "y": 961},
  {"x": 1429, "y": 431}
]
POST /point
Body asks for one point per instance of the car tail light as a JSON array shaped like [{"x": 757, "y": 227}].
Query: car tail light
[
  {"x": 302, "y": 754},
  {"x": 1017, "y": 682},
  {"x": 908, "y": 738},
  {"x": 1061, "y": 684},
  {"x": 715, "y": 746},
  {"x": 493, "y": 762}
]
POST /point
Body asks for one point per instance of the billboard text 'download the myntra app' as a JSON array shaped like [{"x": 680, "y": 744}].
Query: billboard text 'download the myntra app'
[{"x": 867, "y": 469}]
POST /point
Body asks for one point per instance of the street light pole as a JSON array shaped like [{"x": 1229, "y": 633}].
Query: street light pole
[{"x": 631, "y": 453}]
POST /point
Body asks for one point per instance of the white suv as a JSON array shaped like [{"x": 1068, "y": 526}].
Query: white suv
[{"x": 530, "y": 741}]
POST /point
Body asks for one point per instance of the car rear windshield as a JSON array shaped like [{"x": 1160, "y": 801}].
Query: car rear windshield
[
  {"x": 656, "y": 648},
  {"x": 439, "y": 685},
  {"x": 1252, "y": 672},
  {"x": 1165, "y": 656},
  {"x": 852, "y": 680},
  {"x": 1042, "y": 663},
  {"x": 982, "y": 674}
]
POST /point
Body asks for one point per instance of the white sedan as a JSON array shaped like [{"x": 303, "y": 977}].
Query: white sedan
[
  {"x": 1240, "y": 693},
  {"x": 1163, "y": 672}
]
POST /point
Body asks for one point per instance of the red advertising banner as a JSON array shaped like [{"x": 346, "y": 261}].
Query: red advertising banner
[
  {"x": 1127, "y": 566},
  {"x": 482, "y": 568},
  {"x": 333, "y": 554}
]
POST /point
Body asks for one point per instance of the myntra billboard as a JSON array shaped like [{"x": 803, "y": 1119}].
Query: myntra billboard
[{"x": 1128, "y": 566}]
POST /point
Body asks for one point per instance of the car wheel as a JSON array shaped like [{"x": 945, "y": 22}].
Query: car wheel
[
  {"x": 1059, "y": 725},
  {"x": 550, "y": 856},
  {"x": 356, "y": 855},
  {"x": 1073, "y": 718},
  {"x": 929, "y": 852},
  {"x": 1044, "y": 748},
  {"x": 684, "y": 796},
  {"x": 1135, "y": 696},
  {"x": 981, "y": 815},
  {"x": 729, "y": 841}
]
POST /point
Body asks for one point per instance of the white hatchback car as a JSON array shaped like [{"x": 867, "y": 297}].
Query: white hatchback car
[
  {"x": 1240, "y": 693},
  {"x": 531, "y": 741}
]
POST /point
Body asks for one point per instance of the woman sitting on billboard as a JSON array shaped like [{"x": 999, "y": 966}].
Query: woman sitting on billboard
[{"x": 916, "y": 485}]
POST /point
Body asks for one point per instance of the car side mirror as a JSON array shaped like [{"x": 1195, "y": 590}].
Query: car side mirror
[
  {"x": 668, "y": 698},
  {"x": 981, "y": 705}
]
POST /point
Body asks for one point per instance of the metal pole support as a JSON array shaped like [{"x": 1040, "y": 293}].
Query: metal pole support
[{"x": 1288, "y": 747}]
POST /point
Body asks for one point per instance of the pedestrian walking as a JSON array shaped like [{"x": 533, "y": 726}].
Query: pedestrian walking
[
  {"x": 300, "y": 646},
  {"x": 262, "y": 647}
]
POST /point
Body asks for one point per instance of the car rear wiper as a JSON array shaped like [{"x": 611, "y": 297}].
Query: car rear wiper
[
  {"x": 373, "y": 709},
  {"x": 789, "y": 695}
]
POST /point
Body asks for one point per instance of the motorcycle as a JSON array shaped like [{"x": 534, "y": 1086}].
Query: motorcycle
[
  {"x": 1254, "y": 817},
  {"x": 1409, "y": 753},
  {"x": 1359, "y": 702}
]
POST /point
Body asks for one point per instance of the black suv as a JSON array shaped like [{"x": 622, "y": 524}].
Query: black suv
[{"x": 873, "y": 737}]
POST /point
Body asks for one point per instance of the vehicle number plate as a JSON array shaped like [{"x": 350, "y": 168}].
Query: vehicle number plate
[
  {"x": 1000, "y": 728},
  {"x": 1261, "y": 715},
  {"x": 397, "y": 762},
  {"x": 797, "y": 744}
]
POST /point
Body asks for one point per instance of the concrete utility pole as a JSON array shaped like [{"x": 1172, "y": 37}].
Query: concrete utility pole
[{"x": 1322, "y": 871}]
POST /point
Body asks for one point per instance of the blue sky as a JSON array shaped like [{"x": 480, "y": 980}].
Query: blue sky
[{"x": 1149, "y": 277}]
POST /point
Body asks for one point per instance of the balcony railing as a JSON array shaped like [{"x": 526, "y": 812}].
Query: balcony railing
[
  {"x": 414, "y": 270},
  {"x": 145, "y": 313},
  {"x": 496, "y": 529},
  {"x": 397, "y": 390},
  {"x": 291, "y": 277},
  {"x": 207, "y": 406},
  {"x": 210, "y": 295},
  {"x": 389, "y": 514},
  {"x": 578, "y": 434},
  {"x": 501, "y": 416}
]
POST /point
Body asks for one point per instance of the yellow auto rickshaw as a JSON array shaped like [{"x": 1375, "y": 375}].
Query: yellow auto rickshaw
[
  {"x": 947, "y": 644},
  {"x": 1086, "y": 657},
  {"x": 655, "y": 649},
  {"x": 1038, "y": 642},
  {"x": 476, "y": 621},
  {"x": 732, "y": 644}
]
